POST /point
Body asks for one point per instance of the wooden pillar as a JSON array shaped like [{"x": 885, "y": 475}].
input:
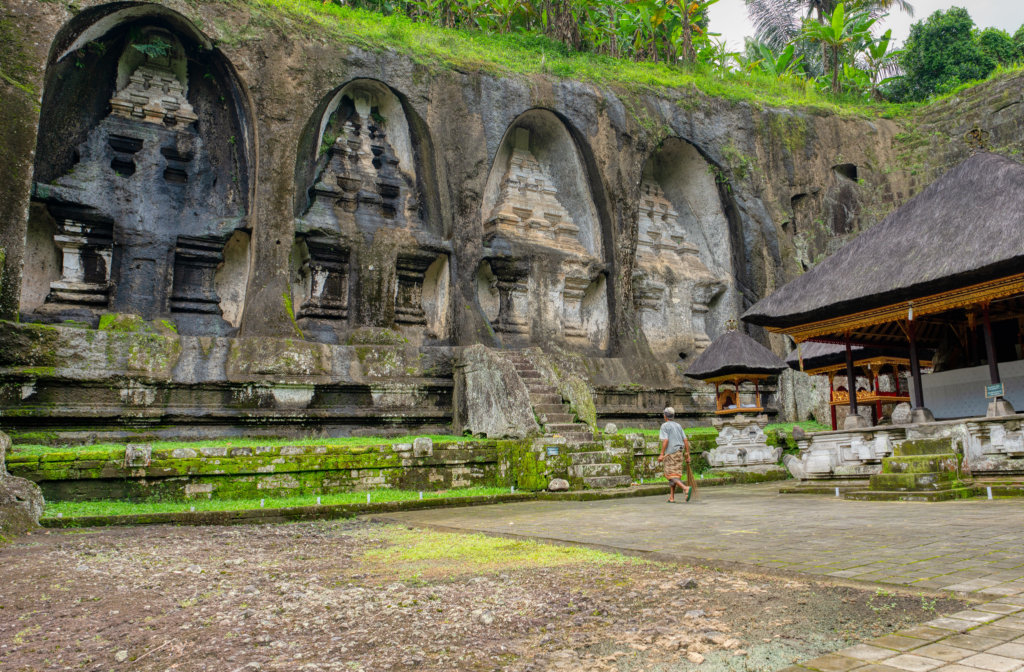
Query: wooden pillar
[
  {"x": 832, "y": 397},
  {"x": 851, "y": 377},
  {"x": 757, "y": 393},
  {"x": 878, "y": 400},
  {"x": 915, "y": 366},
  {"x": 990, "y": 347}
]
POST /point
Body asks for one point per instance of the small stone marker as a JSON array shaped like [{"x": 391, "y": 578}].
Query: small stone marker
[
  {"x": 798, "y": 432},
  {"x": 422, "y": 446},
  {"x": 558, "y": 485},
  {"x": 610, "y": 428}
]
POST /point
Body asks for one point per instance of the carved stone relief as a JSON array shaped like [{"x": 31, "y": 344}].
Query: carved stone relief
[
  {"x": 673, "y": 286},
  {"x": 141, "y": 222}
]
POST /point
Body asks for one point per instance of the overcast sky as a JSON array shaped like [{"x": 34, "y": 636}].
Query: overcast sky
[{"x": 729, "y": 17}]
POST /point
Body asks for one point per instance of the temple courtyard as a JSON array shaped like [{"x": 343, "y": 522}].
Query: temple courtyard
[{"x": 740, "y": 579}]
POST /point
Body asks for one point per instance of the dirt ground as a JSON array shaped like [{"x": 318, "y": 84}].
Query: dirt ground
[{"x": 357, "y": 595}]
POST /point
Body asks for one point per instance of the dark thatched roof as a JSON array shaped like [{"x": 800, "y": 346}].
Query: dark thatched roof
[
  {"x": 734, "y": 353},
  {"x": 817, "y": 355},
  {"x": 966, "y": 227},
  {"x": 821, "y": 354}
]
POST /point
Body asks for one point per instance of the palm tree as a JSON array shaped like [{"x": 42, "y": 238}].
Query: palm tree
[{"x": 777, "y": 22}]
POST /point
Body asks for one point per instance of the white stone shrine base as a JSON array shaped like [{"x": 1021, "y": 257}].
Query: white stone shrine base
[{"x": 990, "y": 446}]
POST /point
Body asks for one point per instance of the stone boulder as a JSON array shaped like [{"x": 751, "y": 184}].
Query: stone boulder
[
  {"x": 558, "y": 485},
  {"x": 901, "y": 414},
  {"x": 21, "y": 500},
  {"x": 490, "y": 398}
]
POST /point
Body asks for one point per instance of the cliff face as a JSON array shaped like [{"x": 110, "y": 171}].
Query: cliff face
[{"x": 222, "y": 174}]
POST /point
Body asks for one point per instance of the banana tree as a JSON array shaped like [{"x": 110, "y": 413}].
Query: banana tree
[
  {"x": 881, "y": 61},
  {"x": 781, "y": 66}
]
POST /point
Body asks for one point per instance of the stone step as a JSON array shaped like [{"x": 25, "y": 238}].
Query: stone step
[
  {"x": 905, "y": 496},
  {"x": 529, "y": 375},
  {"x": 556, "y": 418},
  {"x": 599, "y": 482},
  {"x": 544, "y": 399},
  {"x": 576, "y": 438},
  {"x": 540, "y": 409},
  {"x": 593, "y": 470},
  {"x": 537, "y": 385},
  {"x": 923, "y": 447},
  {"x": 941, "y": 480},
  {"x": 589, "y": 457},
  {"x": 920, "y": 464},
  {"x": 560, "y": 427}
]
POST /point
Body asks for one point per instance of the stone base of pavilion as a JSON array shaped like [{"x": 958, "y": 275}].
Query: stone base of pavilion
[
  {"x": 990, "y": 452},
  {"x": 741, "y": 445}
]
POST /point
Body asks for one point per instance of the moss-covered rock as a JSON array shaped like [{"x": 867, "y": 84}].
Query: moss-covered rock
[{"x": 21, "y": 501}]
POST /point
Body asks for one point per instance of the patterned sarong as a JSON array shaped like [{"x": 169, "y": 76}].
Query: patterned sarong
[{"x": 673, "y": 465}]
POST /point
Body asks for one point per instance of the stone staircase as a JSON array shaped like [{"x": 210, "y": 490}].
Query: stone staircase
[
  {"x": 920, "y": 470},
  {"x": 590, "y": 462},
  {"x": 553, "y": 414},
  {"x": 596, "y": 469}
]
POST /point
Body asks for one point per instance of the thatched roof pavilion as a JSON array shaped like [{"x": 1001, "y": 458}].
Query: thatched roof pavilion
[
  {"x": 947, "y": 262},
  {"x": 828, "y": 359},
  {"x": 735, "y": 358}
]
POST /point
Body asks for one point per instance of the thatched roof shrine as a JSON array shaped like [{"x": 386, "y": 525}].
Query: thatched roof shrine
[
  {"x": 957, "y": 243},
  {"x": 735, "y": 355}
]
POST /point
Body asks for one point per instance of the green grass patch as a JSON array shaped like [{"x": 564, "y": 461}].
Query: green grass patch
[
  {"x": 415, "y": 553},
  {"x": 241, "y": 442},
  {"x": 529, "y": 54},
  {"x": 122, "y": 508},
  {"x": 806, "y": 425}
]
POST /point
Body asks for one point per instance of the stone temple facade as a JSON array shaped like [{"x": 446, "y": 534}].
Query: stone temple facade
[{"x": 276, "y": 234}]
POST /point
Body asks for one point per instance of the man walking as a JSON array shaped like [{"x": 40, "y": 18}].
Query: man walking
[{"x": 673, "y": 444}]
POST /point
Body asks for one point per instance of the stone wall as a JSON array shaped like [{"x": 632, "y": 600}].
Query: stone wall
[{"x": 230, "y": 177}]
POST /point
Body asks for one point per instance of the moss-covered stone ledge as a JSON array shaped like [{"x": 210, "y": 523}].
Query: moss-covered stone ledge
[{"x": 218, "y": 472}]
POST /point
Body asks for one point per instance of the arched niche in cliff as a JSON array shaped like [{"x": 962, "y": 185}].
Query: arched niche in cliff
[
  {"x": 371, "y": 247},
  {"x": 683, "y": 284},
  {"x": 142, "y": 184},
  {"x": 544, "y": 255}
]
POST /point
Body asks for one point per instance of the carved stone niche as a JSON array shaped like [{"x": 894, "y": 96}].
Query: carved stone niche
[
  {"x": 362, "y": 184},
  {"x": 673, "y": 286},
  {"x": 527, "y": 207},
  {"x": 326, "y": 280},
  {"x": 86, "y": 245},
  {"x": 196, "y": 259},
  {"x": 511, "y": 282},
  {"x": 421, "y": 294}
]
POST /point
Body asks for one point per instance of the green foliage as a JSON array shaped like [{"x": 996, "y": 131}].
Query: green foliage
[
  {"x": 998, "y": 45},
  {"x": 940, "y": 55},
  {"x": 154, "y": 48},
  {"x": 528, "y": 53}
]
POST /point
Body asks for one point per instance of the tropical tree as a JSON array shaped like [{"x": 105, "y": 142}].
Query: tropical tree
[
  {"x": 939, "y": 55},
  {"x": 998, "y": 45},
  {"x": 882, "y": 63},
  {"x": 838, "y": 31},
  {"x": 778, "y": 22}
]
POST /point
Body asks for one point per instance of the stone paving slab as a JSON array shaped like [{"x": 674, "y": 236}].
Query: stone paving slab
[{"x": 974, "y": 547}]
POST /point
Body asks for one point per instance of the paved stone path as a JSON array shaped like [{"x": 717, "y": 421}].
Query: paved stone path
[{"x": 974, "y": 546}]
